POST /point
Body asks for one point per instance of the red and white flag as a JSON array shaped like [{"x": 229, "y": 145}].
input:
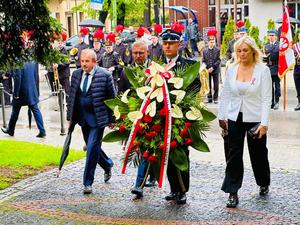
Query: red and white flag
[{"x": 286, "y": 53}]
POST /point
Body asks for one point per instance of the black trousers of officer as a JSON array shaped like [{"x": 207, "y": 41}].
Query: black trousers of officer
[
  {"x": 179, "y": 180},
  {"x": 276, "y": 93},
  {"x": 297, "y": 80},
  {"x": 258, "y": 155},
  {"x": 7, "y": 85},
  {"x": 215, "y": 78}
]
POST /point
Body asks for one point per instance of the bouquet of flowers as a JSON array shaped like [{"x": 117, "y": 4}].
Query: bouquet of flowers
[{"x": 160, "y": 116}]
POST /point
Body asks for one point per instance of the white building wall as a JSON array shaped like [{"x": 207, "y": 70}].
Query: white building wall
[{"x": 260, "y": 11}]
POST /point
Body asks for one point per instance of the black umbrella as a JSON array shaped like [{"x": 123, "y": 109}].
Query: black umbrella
[
  {"x": 29, "y": 117},
  {"x": 91, "y": 23},
  {"x": 66, "y": 148},
  {"x": 292, "y": 20}
]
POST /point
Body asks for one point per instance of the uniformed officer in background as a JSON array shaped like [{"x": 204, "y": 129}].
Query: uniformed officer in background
[
  {"x": 297, "y": 70},
  {"x": 98, "y": 48},
  {"x": 76, "y": 51},
  {"x": 155, "y": 49}
]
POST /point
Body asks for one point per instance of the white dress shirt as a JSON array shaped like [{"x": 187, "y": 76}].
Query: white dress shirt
[
  {"x": 255, "y": 102},
  {"x": 90, "y": 78}
]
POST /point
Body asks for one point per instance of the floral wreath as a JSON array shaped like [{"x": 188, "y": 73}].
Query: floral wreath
[{"x": 159, "y": 117}]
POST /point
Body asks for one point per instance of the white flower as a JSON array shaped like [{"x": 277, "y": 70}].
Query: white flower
[
  {"x": 156, "y": 81},
  {"x": 135, "y": 115},
  {"x": 179, "y": 95},
  {"x": 176, "y": 112},
  {"x": 117, "y": 114},
  {"x": 124, "y": 96},
  {"x": 151, "y": 109},
  {"x": 194, "y": 114},
  {"x": 158, "y": 94},
  {"x": 142, "y": 90},
  {"x": 177, "y": 81}
]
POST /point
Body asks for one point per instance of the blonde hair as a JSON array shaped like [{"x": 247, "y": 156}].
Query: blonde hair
[{"x": 257, "y": 55}]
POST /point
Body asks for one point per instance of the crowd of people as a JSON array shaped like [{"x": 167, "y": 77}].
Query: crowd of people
[{"x": 250, "y": 90}]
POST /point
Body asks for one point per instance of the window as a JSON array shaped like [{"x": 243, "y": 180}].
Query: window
[{"x": 212, "y": 2}]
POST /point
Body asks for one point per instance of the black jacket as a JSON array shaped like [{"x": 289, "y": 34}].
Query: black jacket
[
  {"x": 102, "y": 88},
  {"x": 212, "y": 59}
]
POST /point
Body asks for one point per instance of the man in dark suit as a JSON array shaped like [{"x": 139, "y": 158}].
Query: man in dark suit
[
  {"x": 271, "y": 49},
  {"x": 25, "y": 93},
  {"x": 90, "y": 86},
  {"x": 211, "y": 58},
  {"x": 230, "y": 47},
  {"x": 179, "y": 180},
  {"x": 80, "y": 46},
  {"x": 155, "y": 49}
]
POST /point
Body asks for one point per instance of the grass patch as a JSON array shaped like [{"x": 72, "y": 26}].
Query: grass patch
[{"x": 19, "y": 160}]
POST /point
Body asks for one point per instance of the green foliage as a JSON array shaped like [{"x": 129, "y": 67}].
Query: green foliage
[
  {"x": 228, "y": 35},
  {"x": 247, "y": 23},
  {"x": 254, "y": 33},
  {"x": 17, "y": 17},
  {"x": 85, "y": 8},
  {"x": 115, "y": 136},
  {"x": 135, "y": 76},
  {"x": 179, "y": 159},
  {"x": 271, "y": 24},
  {"x": 193, "y": 72},
  {"x": 20, "y": 159}
]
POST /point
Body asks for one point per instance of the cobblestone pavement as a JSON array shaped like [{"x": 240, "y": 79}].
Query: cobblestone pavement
[{"x": 45, "y": 199}]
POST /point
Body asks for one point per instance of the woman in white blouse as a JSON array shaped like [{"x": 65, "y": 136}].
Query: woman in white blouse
[{"x": 245, "y": 103}]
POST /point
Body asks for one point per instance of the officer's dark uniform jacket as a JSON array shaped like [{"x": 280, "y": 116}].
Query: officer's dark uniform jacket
[
  {"x": 123, "y": 59},
  {"x": 155, "y": 52},
  {"x": 108, "y": 60},
  {"x": 211, "y": 57},
  {"x": 80, "y": 47},
  {"x": 230, "y": 48},
  {"x": 272, "y": 50},
  {"x": 297, "y": 69},
  {"x": 64, "y": 68},
  {"x": 90, "y": 107},
  {"x": 99, "y": 53}
]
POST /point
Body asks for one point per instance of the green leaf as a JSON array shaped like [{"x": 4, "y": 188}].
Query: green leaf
[
  {"x": 207, "y": 115},
  {"x": 200, "y": 145},
  {"x": 115, "y": 136},
  {"x": 190, "y": 75},
  {"x": 111, "y": 103},
  {"x": 179, "y": 159},
  {"x": 130, "y": 75}
]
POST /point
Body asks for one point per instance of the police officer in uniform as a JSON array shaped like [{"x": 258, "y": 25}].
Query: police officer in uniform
[
  {"x": 6, "y": 80},
  {"x": 297, "y": 70},
  {"x": 211, "y": 58},
  {"x": 80, "y": 46},
  {"x": 271, "y": 49},
  {"x": 110, "y": 59},
  {"x": 230, "y": 49},
  {"x": 155, "y": 49},
  {"x": 99, "y": 50},
  {"x": 179, "y": 180},
  {"x": 120, "y": 49}
]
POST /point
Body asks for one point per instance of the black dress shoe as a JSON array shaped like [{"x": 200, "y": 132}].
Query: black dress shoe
[
  {"x": 6, "y": 131},
  {"x": 107, "y": 175},
  {"x": 137, "y": 191},
  {"x": 87, "y": 190},
  {"x": 181, "y": 198},
  {"x": 232, "y": 201},
  {"x": 297, "y": 108},
  {"x": 150, "y": 183},
  {"x": 272, "y": 106},
  {"x": 263, "y": 190},
  {"x": 41, "y": 135},
  {"x": 171, "y": 196}
]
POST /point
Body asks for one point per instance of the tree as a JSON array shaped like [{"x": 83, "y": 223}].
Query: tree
[
  {"x": 228, "y": 35},
  {"x": 16, "y": 17},
  {"x": 156, "y": 7},
  {"x": 247, "y": 23},
  {"x": 254, "y": 33}
]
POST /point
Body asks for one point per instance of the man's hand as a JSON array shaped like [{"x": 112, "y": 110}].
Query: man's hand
[
  {"x": 210, "y": 70},
  {"x": 16, "y": 97},
  {"x": 55, "y": 66},
  {"x": 111, "y": 125},
  {"x": 111, "y": 69}
]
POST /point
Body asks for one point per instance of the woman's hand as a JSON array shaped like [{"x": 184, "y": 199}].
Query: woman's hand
[
  {"x": 223, "y": 124},
  {"x": 261, "y": 131}
]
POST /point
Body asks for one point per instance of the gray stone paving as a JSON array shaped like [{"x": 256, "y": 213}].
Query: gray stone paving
[{"x": 45, "y": 199}]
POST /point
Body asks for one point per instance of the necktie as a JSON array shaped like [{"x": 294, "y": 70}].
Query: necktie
[{"x": 85, "y": 82}]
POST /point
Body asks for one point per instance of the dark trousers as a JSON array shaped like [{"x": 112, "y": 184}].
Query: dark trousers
[
  {"x": 297, "y": 83},
  {"x": 258, "y": 155},
  {"x": 36, "y": 113},
  {"x": 276, "y": 93},
  {"x": 65, "y": 83},
  {"x": 94, "y": 153},
  {"x": 179, "y": 180},
  {"x": 193, "y": 44},
  {"x": 215, "y": 78}
]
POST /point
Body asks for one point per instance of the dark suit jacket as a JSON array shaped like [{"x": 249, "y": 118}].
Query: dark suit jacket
[
  {"x": 213, "y": 60},
  {"x": 25, "y": 85},
  {"x": 102, "y": 88},
  {"x": 272, "y": 61},
  {"x": 64, "y": 68}
]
